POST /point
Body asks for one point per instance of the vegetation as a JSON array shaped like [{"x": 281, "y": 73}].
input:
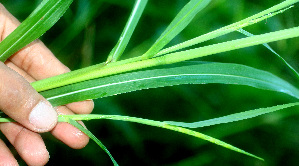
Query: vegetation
[{"x": 114, "y": 57}]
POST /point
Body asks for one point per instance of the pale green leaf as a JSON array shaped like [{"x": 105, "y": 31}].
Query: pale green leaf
[
  {"x": 232, "y": 117},
  {"x": 277, "y": 9},
  {"x": 161, "y": 125}
]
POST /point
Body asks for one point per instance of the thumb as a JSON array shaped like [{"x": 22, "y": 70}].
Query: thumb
[{"x": 22, "y": 103}]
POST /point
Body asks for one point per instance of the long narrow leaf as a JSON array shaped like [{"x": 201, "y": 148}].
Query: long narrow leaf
[
  {"x": 128, "y": 31},
  {"x": 227, "y": 29},
  {"x": 38, "y": 22},
  {"x": 233, "y": 117},
  {"x": 182, "y": 19},
  {"x": 183, "y": 73},
  {"x": 161, "y": 125},
  {"x": 96, "y": 72}
]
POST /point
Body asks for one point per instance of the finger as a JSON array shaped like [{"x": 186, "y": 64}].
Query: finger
[
  {"x": 6, "y": 158},
  {"x": 82, "y": 107},
  {"x": 22, "y": 103},
  {"x": 28, "y": 144},
  {"x": 65, "y": 132},
  {"x": 69, "y": 134},
  {"x": 19, "y": 71}
]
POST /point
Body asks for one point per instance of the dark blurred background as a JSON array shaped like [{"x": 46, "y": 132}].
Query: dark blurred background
[{"x": 89, "y": 30}]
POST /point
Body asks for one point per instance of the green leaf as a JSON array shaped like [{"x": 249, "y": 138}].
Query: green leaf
[
  {"x": 277, "y": 9},
  {"x": 128, "y": 31},
  {"x": 96, "y": 71},
  {"x": 233, "y": 117},
  {"x": 87, "y": 132},
  {"x": 182, "y": 73},
  {"x": 161, "y": 125},
  {"x": 182, "y": 19},
  {"x": 37, "y": 23}
]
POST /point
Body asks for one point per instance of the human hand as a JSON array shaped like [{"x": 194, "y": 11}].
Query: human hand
[{"x": 33, "y": 113}]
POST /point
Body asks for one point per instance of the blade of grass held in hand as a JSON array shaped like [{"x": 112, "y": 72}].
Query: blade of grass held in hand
[
  {"x": 182, "y": 19},
  {"x": 95, "y": 71},
  {"x": 182, "y": 73},
  {"x": 37, "y": 23},
  {"x": 232, "y": 117},
  {"x": 128, "y": 31}
]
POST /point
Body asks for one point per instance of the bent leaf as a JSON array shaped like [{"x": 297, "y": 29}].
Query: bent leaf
[
  {"x": 37, "y": 23},
  {"x": 87, "y": 132},
  {"x": 161, "y": 125},
  {"x": 181, "y": 73},
  {"x": 232, "y": 117}
]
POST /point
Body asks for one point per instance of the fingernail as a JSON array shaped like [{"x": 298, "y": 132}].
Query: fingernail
[{"x": 43, "y": 117}]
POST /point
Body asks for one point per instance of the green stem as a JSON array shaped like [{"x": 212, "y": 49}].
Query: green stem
[{"x": 100, "y": 71}]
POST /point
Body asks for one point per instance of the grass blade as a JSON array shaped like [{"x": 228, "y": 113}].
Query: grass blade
[
  {"x": 182, "y": 19},
  {"x": 233, "y": 117},
  {"x": 37, "y": 23},
  {"x": 123, "y": 41},
  {"x": 87, "y": 132},
  {"x": 93, "y": 72},
  {"x": 227, "y": 29},
  {"x": 182, "y": 73},
  {"x": 161, "y": 125}
]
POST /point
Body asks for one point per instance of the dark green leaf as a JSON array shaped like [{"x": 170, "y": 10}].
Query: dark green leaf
[
  {"x": 37, "y": 23},
  {"x": 182, "y": 73}
]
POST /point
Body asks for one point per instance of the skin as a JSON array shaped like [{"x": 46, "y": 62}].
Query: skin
[{"x": 18, "y": 98}]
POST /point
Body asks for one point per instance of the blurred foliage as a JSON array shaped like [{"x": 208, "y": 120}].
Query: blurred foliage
[{"x": 89, "y": 30}]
